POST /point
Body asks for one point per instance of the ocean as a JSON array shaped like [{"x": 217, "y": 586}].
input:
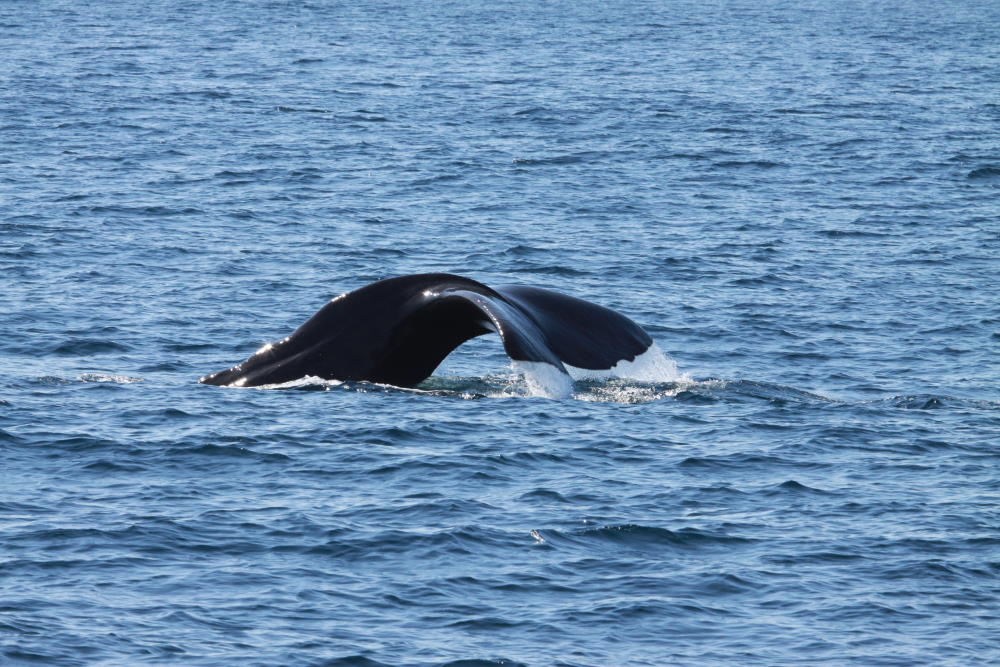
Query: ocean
[{"x": 799, "y": 201}]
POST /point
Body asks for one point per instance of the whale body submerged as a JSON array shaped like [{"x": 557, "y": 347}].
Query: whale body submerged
[{"x": 397, "y": 331}]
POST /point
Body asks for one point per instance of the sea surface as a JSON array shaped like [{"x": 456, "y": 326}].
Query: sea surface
[{"x": 800, "y": 201}]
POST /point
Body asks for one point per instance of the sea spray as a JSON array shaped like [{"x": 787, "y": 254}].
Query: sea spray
[
  {"x": 650, "y": 366},
  {"x": 545, "y": 380}
]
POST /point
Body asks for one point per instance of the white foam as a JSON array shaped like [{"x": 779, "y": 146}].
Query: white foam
[
  {"x": 621, "y": 391},
  {"x": 113, "y": 379},
  {"x": 544, "y": 380},
  {"x": 650, "y": 366},
  {"x": 306, "y": 381}
]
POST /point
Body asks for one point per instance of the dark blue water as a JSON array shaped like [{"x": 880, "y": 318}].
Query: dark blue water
[{"x": 799, "y": 201}]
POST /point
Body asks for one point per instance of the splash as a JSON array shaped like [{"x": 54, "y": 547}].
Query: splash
[
  {"x": 650, "y": 366},
  {"x": 544, "y": 380}
]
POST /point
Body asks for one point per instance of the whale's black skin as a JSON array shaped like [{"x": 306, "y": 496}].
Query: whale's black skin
[{"x": 397, "y": 331}]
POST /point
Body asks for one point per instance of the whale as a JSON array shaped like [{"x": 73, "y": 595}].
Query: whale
[{"x": 398, "y": 330}]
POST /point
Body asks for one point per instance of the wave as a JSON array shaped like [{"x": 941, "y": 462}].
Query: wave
[
  {"x": 990, "y": 172},
  {"x": 639, "y": 537}
]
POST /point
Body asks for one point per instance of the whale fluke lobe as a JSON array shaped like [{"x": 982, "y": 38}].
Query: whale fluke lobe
[{"x": 397, "y": 331}]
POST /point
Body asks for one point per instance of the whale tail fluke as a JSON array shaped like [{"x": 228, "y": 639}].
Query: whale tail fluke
[{"x": 397, "y": 331}]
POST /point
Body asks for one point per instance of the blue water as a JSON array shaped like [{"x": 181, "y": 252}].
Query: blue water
[{"x": 800, "y": 201}]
